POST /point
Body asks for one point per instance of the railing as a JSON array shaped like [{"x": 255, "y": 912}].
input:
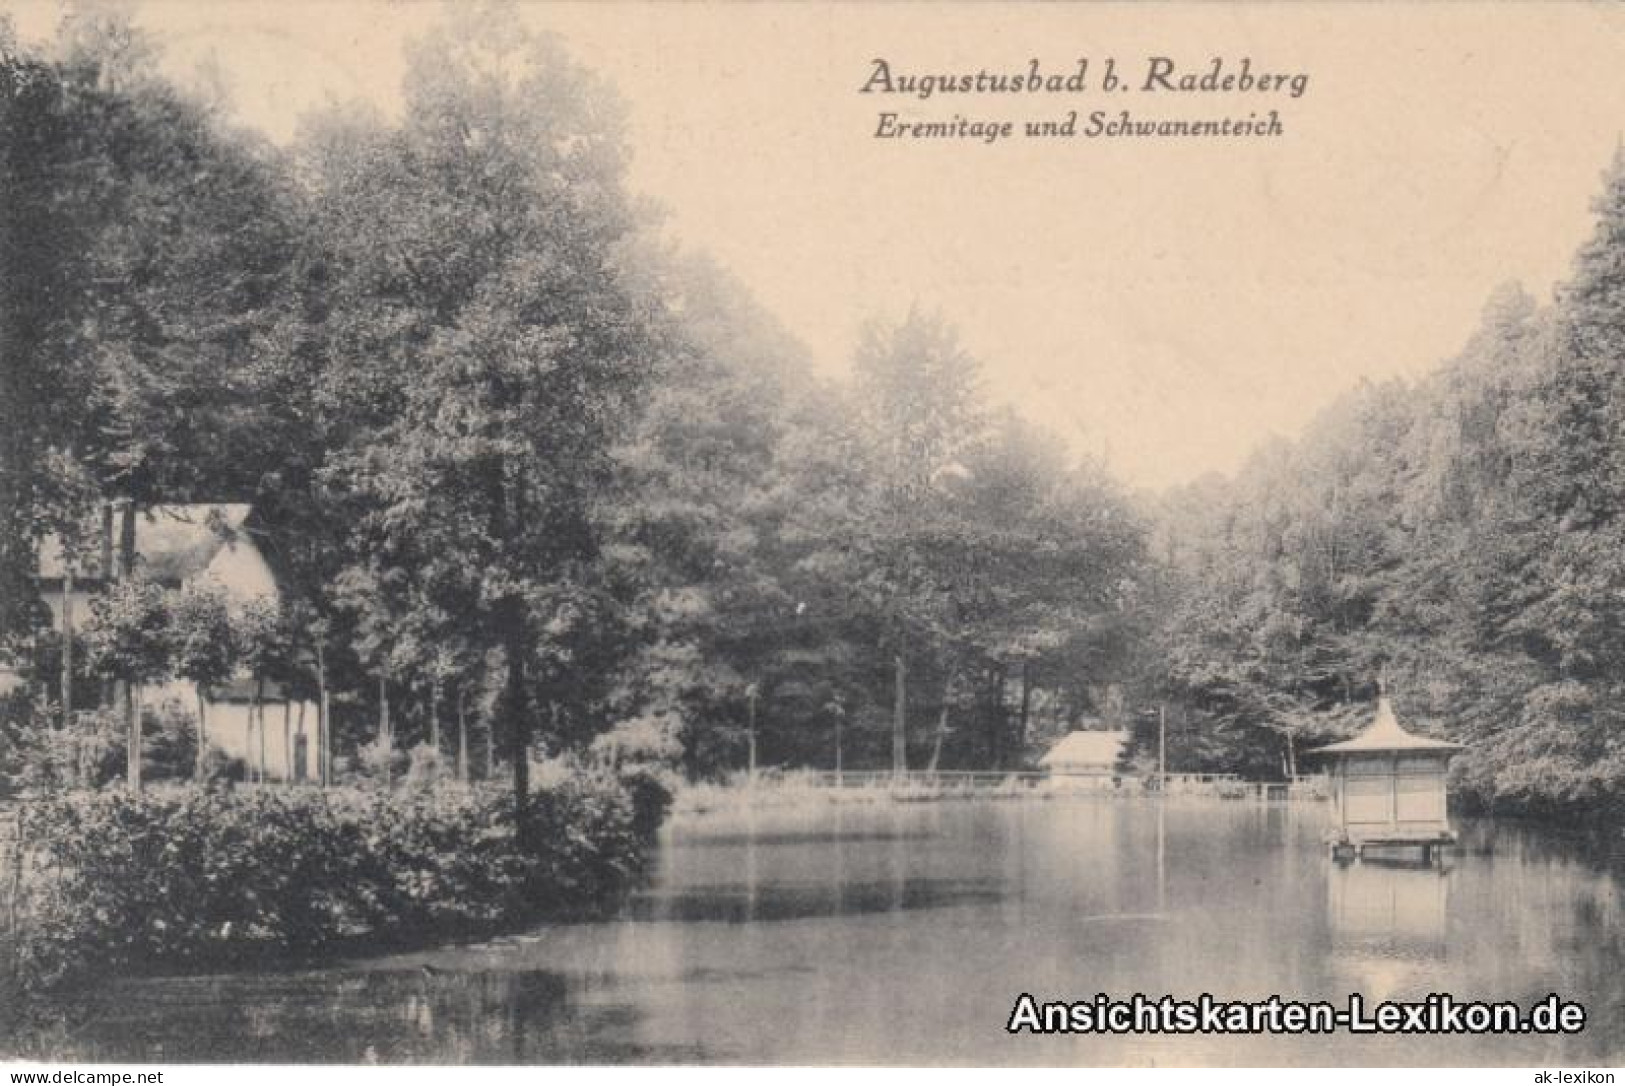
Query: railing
[
  {"x": 941, "y": 779},
  {"x": 1227, "y": 785}
]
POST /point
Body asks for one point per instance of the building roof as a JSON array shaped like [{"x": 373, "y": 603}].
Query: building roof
[
  {"x": 1087, "y": 748},
  {"x": 1384, "y": 734},
  {"x": 172, "y": 542}
]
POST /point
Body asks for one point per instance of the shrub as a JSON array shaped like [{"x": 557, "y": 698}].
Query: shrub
[
  {"x": 90, "y": 752},
  {"x": 132, "y": 882},
  {"x": 651, "y": 788},
  {"x": 378, "y": 762},
  {"x": 644, "y": 752},
  {"x": 220, "y": 767},
  {"x": 170, "y": 748},
  {"x": 176, "y": 877}
]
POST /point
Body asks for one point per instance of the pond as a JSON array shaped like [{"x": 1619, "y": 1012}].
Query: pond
[{"x": 902, "y": 933}]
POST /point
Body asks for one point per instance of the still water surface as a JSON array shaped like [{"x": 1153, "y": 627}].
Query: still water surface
[{"x": 903, "y": 933}]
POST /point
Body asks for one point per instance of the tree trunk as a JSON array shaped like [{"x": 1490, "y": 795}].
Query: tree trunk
[
  {"x": 942, "y": 721},
  {"x": 202, "y": 732},
  {"x": 839, "y": 768},
  {"x": 515, "y": 713},
  {"x": 462, "y": 736},
  {"x": 303, "y": 748},
  {"x": 248, "y": 745},
  {"x": 491, "y": 747},
  {"x": 109, "y": 574},
  {"x": 256, "y": 711},
  {"x": 750, "y": 765},
  {"x": 386, "y": 739},
  {"x": 323, "y": 746},
  {"x": 997, "y": 722},
  {"x": 1026, "y": 706},
  {"x": 67, "y": 643},
  {"x": 132, "y": 732},
  {"x": 899, "y": 724},
  {"x": 434, "y": 713},
  {"x": 132, "y": 715},
  {"x": 287, "y": 736},
  {"x": 383, "y": 711}
]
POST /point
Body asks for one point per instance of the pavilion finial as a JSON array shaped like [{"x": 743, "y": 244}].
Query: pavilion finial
[{"x": 1382, "y": 680}]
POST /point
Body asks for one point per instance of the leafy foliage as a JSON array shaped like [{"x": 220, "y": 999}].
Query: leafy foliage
[{"x": 175, "y": 878}]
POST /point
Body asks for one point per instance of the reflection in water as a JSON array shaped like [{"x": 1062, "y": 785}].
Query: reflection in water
[
  {"x": 903, "y": 934},
  {"x": 758, "y": 902},
  {"x": 392, "y": 1015},
  {"x": 1387, "y": 923}
]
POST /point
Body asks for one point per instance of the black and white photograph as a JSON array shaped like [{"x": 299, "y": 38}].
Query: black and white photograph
[{"x": 796, "y": 535}]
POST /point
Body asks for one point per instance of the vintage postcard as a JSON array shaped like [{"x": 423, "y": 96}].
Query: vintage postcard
[{"x": 784, "y": 534}]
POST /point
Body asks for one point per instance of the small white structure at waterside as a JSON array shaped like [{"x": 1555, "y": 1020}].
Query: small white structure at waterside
[{"x": 1086, "y": 754}]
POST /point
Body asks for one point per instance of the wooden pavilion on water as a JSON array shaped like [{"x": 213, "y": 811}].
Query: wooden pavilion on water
[{"x": 1388, "y": 789}]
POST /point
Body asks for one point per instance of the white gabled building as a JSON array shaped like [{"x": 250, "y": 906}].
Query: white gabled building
[{"x": 212, "y": 543}]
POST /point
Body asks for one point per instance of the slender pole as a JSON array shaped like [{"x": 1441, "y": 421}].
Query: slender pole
[
  {"x": 1162, "y": 859},
  {"x": 750, "y": 709},
  {"x": 1162, "y": 748},
  {"x": 840, "y": 777},
  {"x": 899, "y": 735}
]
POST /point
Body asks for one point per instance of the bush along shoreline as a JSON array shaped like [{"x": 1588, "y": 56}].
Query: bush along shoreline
[{"x": 191, "y": 879}]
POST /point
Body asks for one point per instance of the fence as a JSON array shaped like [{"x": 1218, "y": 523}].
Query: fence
[
  {"x": 1226, "y": 785},
  {"x": 934, "y": 779}
]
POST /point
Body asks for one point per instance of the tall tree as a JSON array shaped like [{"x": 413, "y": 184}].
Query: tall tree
[
  {"x": 489, "y": 344},
  {"x": 922, "y": 412}
]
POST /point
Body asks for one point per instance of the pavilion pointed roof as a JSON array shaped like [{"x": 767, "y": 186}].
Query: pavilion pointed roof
[{"x": 1384, "y": 734}]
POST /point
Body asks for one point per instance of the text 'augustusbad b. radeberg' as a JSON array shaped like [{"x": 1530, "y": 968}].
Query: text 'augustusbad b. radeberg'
[{"x": 1241, "y": 81}]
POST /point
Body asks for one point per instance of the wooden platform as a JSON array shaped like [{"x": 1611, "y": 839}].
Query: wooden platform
[{"x": 1345, "y": 845}]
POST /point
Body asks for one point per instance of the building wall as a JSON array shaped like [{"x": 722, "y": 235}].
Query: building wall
[
  {"x": 1375, "y": 792},
  {"x": 231, "y": 734},
  {"x": 229, "y": 731}
]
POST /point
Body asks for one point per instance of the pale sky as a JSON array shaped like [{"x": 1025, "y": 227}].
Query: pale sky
[{"x": 1170, "y": 302}]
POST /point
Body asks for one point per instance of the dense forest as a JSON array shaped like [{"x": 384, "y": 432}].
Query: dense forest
[
  {"x": 1464, "y": 534},
  {"x": 520, "y": 462}
]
